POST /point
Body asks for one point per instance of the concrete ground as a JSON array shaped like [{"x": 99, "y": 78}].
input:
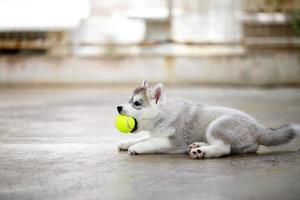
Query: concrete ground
[{"x": 61, "y": 144}]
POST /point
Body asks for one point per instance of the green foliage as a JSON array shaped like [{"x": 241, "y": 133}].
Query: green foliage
[{"x": 295, "y": 21}]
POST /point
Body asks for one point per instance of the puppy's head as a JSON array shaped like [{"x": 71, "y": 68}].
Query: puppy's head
[{"x": 144, "y": 105}]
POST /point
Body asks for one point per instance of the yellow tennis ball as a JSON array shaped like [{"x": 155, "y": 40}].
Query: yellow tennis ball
[{"x": 125, "y": 124}]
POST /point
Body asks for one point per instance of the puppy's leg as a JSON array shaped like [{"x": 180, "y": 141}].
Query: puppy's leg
[
  {"x": 229, "y": 133},
  {"x": 196, "y": 145},
  {"x": 124, "y": 145},
  {"x": 216, "y": 136},
  {"x": 153, "y": 145},
  {"x": 217, "y": 149}
]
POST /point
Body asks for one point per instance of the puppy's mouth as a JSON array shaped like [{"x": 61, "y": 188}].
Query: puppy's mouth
[
  {"x": 123, "y": 113},
  {"x": 134, "y": 130}
]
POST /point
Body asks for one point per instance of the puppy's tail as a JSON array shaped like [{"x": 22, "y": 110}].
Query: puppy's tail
[
  {"x": 285, "y": 138},
  {"x": 281, "y": 135}
]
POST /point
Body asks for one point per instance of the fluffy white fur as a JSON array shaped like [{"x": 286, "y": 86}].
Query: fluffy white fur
[{"x": 176, "y": 126}]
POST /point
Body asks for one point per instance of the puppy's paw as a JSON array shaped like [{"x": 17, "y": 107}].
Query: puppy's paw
[
  {"x": 197, "y": 153},
  {"x": 195, "y": 145},
  {"x": 133, "y": 151},
  {"x": 123, "y": 146}
]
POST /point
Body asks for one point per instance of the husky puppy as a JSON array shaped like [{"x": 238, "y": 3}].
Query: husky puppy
[{"x": 176, "y": 126}]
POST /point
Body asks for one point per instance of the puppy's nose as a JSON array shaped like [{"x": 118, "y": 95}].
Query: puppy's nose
[{"x": 119, "y": 108}]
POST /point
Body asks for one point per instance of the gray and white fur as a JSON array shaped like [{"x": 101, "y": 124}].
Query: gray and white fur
[{"x": 176, "y": 126}]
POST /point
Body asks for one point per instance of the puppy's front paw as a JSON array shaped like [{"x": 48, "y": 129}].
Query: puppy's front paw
[
  {"x": 132, "y": 151},
  {"x": 197, "y": 153},
  {"x": 123, "y": 146}
]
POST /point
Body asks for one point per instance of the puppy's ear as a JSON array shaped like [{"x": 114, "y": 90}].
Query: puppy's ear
[
  {"x": 145, "y": 84},
  {"x": 157, "y": 93}
]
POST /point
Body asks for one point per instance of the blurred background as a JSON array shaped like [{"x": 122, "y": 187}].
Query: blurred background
[{"x": 180, "y": 42}]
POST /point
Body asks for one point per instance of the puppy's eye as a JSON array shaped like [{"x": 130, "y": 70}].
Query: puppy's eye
[{"x": 136, "y": 103}]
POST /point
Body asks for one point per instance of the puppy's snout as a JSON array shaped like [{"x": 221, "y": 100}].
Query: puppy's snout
[{"x": 119, "y": 108}]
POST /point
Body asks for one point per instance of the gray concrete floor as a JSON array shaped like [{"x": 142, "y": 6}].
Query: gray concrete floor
[{"x": 61, "y": 144}]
